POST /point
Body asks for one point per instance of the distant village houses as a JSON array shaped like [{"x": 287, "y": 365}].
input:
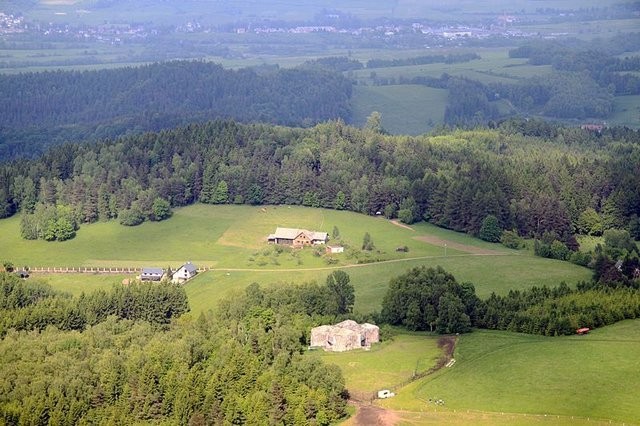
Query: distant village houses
[
  {"x": 344, "y": 336},
  {"x": 297, "y": 238}
]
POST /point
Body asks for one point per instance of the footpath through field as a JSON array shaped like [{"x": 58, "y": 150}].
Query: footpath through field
[
  {"x": 468, "y": 249},
  {"x": 436, "y": 241}
]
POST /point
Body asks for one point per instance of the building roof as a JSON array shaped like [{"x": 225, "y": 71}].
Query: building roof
[
  {"x": 189, "y": 267},
  {"x": 348, "y": 324},
  {"x": 292, "y": 233},
  {"x": 152, "y": 271}
]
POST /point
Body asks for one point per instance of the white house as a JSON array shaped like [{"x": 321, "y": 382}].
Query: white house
[{"x": 185, "y": 273}]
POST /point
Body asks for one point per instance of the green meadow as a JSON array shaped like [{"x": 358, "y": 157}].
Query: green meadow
[
  {"x": 570, "y": 379},
  {"x": 405, "y": 109},
  {"x": 231, "y": 240},
  {"x": 626, "y": 111},
  {"x": 370, "y": 371}
]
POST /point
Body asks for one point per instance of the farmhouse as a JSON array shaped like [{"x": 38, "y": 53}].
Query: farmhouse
[
  {"x": 151, "y": 274},
  {"x": 344, "y": 336},
  {"x": 185, "y": 273},
  {"x": 297, "y": 237}
]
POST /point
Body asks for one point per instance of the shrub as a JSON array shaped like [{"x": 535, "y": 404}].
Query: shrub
[
  {"x": 131, "y": 217},
  {"x": 511, "y": 239}
]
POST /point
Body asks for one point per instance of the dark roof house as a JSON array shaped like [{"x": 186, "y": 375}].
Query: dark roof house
[
  {"x": 184, "y": 273},
  {"x": 151, "y": 274}
]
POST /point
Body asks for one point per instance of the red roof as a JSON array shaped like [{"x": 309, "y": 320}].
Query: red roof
[{"x": 582, "y": 330}]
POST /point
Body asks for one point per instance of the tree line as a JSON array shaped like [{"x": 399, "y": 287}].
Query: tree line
[
  {"x": 431, "y": 299},
  {"x": 531, "y": 176},
  {"x": 39, "y": 109},
  {"x": 36, "y": 306}
]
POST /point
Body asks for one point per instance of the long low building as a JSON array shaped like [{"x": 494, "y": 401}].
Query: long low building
[{"x": 297, "y": 237}]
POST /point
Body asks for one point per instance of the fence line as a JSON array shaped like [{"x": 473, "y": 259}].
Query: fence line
[{"x": 92, "y": 269}]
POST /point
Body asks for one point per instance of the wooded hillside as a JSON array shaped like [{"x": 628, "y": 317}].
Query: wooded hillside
[
  {"x": 40, "y": 109},
  {"x": 533, "y": 177}
]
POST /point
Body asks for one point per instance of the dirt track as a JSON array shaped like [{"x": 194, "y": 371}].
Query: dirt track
[
  {"x": 370, "y": 415},
  {"x": 457, "y": 246}
]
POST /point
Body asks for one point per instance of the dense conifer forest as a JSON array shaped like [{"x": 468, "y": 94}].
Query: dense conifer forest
[
  {"x": 40, "y": 109},
  {"x": 533, "y": 178}
]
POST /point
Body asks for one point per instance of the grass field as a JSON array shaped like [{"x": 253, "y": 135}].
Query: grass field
[
  {"x": 406, "y": 109},
  {"x": 596, "y": 376},
  {"x": 227, "y": 238},
  {"x": 370, "y": 371},
  {"x": 626, "y": 111},
  {"x": 493, "y": 66}
]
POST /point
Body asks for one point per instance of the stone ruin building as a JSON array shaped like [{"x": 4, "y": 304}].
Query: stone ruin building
[{"x": 344, "y": 336}]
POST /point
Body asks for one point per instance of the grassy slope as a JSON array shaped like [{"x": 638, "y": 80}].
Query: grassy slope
[
  {"x": 370, "y": 371},
  {"x": 593, "y": 376},
  {"x": 626, "y": 111},
  {"x": 406, "y": 109},
  {"x": 227, "y": 237}
]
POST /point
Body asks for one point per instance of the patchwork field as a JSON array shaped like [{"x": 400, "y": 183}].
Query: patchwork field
[{"x": 231, "y": 240}]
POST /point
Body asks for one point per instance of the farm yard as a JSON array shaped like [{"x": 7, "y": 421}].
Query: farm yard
[{"x": 231, "y": 240}]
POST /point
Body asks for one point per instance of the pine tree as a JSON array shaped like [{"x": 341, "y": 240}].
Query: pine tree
[{"x": 221, "y": 194}]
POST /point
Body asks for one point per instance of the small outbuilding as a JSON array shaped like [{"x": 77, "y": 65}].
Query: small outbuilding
[
  {"x": 333, "y": 249},
  {"x": 151, "y": 274},
  {"x": 583, "y": 330},
  {"x": 184, "y": 273}
]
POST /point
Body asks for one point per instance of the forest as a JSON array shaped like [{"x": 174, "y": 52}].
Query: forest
[
  {"x": 38, "y": 110},
  {"x": 122, "y": 357},
  {"x": 538, "y": 180}
]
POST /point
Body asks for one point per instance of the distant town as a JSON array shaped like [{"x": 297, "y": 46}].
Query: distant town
[{"x": 501, "y": 26}]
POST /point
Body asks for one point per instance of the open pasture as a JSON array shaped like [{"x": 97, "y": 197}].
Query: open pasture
[
  {"x": 387, "y": 364},
  {"x": 626, "y": 111},
  {"x": 569, "y": 380},
  {"x": 231, "y": 241},
  {"x": 406, "y": 109}
]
